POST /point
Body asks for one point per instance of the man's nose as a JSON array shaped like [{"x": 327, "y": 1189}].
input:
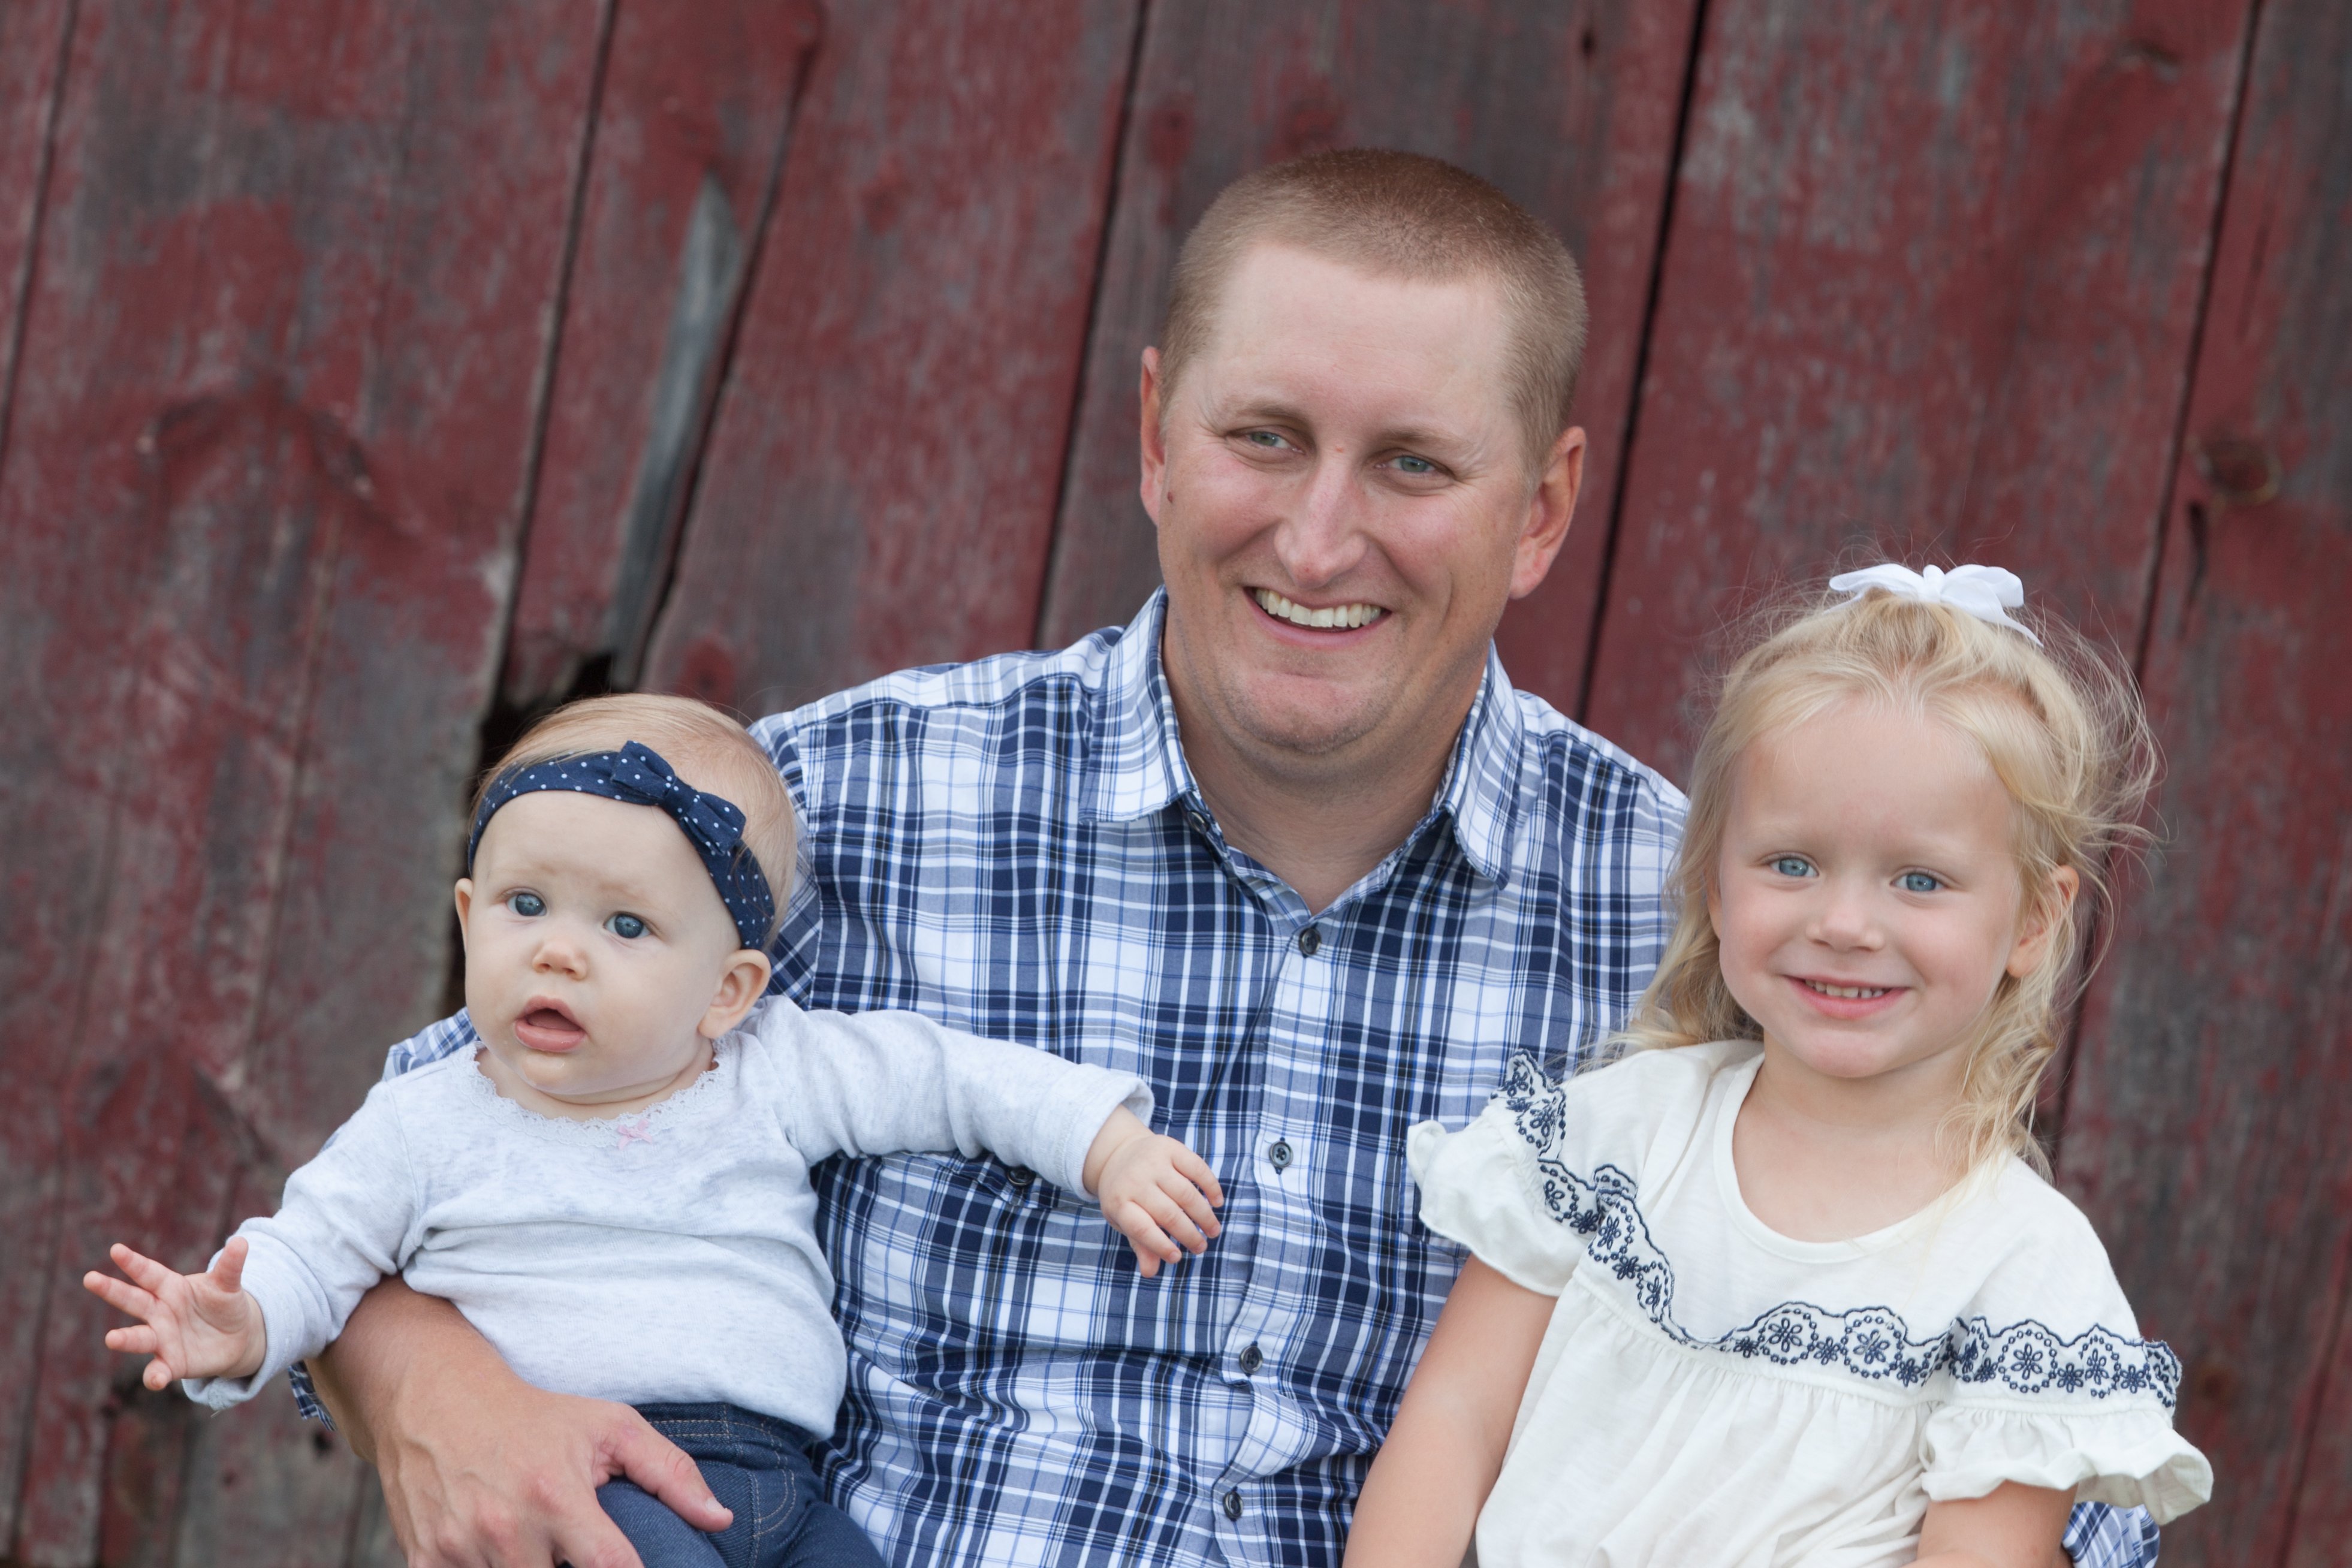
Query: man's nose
[{"x": 1323, "y": 537}]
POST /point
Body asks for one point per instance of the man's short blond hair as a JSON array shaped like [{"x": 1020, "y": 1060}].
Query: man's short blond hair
[
  {"x": 1395, "y": 214},
  {"x": 711, "y": 751}
]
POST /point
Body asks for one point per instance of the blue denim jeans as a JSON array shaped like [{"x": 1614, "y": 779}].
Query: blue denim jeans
[{"x": 758, "y": 1467}]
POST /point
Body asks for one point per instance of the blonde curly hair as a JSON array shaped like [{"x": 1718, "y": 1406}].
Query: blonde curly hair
[{"x": 2061, "y": 725}]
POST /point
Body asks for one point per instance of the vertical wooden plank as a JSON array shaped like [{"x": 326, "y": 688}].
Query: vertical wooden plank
[
  {"x": 2206, "y": 1123},
  {"x": 32, "y": 38},
  {"x": 1568, "y": 107},
  {"x": 281, "y": 367},
  {"x": 1929, "y": 288},
  {"x": 880, "y": 483},
  {"x": 690, "y": 123}
]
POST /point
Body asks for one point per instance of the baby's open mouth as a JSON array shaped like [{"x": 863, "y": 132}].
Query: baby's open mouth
[{"x": 548, "y": 1027}]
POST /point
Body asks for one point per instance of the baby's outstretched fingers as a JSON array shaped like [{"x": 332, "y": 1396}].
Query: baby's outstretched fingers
[{"x": 194, "y": 1325}]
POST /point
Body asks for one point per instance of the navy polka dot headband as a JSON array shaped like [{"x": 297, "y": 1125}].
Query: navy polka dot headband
[{"x": 636, "y": 776}]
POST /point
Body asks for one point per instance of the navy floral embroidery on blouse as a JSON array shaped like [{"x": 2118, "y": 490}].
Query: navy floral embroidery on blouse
[{"x": 1872, "y": 1343}]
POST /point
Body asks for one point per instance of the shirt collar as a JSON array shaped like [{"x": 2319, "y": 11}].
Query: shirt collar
[{"x": 1141, "y": 769}]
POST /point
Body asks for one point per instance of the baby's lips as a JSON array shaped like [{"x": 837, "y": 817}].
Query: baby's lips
[{"x": 545, "y": 1030}]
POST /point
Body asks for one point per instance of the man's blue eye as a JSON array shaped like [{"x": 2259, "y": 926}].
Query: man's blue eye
[
  {"x": 1920, "y": 882},
  {"x": 1416, "y": 466},
  {"x": 627, "y": 926},
  {"x": 1793, "y": 865},
  {"x": 531, "y": 906},
  {"x": 1264, "y": 438}
]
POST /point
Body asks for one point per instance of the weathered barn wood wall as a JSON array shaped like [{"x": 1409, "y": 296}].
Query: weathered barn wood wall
[{"x": 371, "y": 374}]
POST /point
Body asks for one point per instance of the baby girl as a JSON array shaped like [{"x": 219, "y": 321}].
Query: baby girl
[{"x": 614, "y": 1188}]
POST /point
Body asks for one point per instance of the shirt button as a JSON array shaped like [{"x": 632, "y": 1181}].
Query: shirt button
[
  {"x": 1279, "y": 1155},
  {"x": 1310, "y": 941},
  {"x": 1232, "y": 1505},
  {"x": 1252, "y": 1358},
  {"x": 1023, "y": 1176}
]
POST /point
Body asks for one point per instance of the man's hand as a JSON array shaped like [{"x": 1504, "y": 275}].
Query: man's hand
[
  {"x": 481, "y": 1469},
  {"x": 1153, "y": 1189},
  {"x": 194, "y": 1325}
]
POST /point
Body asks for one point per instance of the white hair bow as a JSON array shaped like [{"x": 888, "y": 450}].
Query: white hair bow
[{"x": 1987, "y": 592}]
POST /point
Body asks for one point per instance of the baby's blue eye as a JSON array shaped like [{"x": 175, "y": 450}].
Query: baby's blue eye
[
  {"x": 1793, "y": 865},
  {"x": 1920, "y": 882},
  {"x": 626, "y": 926},
  {"x": 529, "y": 906}
]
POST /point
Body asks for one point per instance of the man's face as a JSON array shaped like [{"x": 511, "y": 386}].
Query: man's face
[{"x": 1345, "y": 504}]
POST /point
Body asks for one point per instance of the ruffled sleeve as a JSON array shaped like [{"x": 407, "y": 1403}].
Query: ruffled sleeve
[
  {"x": 1525, "y": 1185},
  {"x": 1476, "y": 1189},
  {"x": 2052, "y": 1385},
  {"x": 2129, "y": 1457}
]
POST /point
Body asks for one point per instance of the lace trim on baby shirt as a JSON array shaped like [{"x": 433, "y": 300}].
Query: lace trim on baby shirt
[
  {"x": 1870, "y": 1342},
  {"x": 615, "y": 1131}
]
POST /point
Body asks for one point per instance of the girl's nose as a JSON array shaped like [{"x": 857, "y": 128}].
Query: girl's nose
[{"x": 1846, "y": 918}]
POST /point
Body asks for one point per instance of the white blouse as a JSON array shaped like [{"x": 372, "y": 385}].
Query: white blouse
[{"x": 1712, "y": 1391}]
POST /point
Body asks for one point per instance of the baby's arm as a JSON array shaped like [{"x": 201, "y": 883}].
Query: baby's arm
[
  {"x": 1421, "y": 1502},
  {"x": 2016, "y": 1526},
  {"x": 1154, "y": 1190},
  {"x": 194, "y": 1325}
]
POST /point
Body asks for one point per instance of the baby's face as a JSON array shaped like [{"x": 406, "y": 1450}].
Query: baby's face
[{"x": 597, "y": 951}]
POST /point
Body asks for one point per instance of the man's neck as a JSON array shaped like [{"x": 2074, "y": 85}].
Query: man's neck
[{"x": 1324, "y": 824}]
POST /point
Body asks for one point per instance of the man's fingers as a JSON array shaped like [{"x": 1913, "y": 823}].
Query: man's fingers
[
  {"x": 593, "y": 1542},
  {"x": 662, "y": 1467},
  {"x": 119, "y": 1294}
]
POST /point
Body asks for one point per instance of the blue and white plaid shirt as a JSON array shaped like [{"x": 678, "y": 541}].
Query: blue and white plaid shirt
[{"x": 1016, "y": 847}]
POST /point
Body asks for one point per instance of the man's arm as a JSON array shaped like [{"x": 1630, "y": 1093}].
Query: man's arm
[{"x": 479, "y": 1467}]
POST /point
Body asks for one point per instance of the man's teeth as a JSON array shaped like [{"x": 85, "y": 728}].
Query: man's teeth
[
  {"x": 1339, "y": 617},
  {"x": 1849, "y": 993}
]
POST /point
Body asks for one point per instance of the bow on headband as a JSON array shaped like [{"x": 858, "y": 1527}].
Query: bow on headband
[
  {"x": 1987, "y": 592},
  {"x": 636, "y": 776}
]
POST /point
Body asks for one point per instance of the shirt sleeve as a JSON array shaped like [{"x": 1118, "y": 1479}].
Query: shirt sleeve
[
  {"x": 2052, "y": 1385},
  {"x": 347, "y": 1221},
  {"x": 429, "y": 1044},
  {"x": 893, "y": 1082},
  {"x": 1546, "y": 1163}
]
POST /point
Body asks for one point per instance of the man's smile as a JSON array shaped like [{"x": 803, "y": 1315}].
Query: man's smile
[{"x": 1327, "y": 617}]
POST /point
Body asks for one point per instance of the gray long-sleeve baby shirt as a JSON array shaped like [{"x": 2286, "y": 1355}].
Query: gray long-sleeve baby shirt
[{"x": 666, "y": 1256}]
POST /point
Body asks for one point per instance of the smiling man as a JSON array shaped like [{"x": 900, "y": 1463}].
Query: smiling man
[{"x": 1288, "y": 847}]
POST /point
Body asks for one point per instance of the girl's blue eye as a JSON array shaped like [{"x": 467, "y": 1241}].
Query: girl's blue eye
[
  {"x": 625, "y": 926},
  {"x": 1920, "y": 882},
  {"x": 529, "y": 906},
  {"x": 1793, "y": 865}
]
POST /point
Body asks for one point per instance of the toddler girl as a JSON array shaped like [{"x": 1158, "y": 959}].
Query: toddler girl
[
  {"x": 614, "y": 1188},
  {"x": 1788, "y": 1285}
]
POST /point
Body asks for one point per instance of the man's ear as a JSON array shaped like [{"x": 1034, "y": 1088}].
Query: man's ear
[
  {"x": 2042, "y": 914},
  {"x": 743, "y": 982},
  {"x": 465, "y": 909},
  {"x": 1154, "y": 440},
  {"x": 1550, "y": 512}
]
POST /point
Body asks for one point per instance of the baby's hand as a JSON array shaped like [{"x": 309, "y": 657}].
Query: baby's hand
[
  {"x": 1153, "y": 1189},
  {"x": 196, "y": 1325}
]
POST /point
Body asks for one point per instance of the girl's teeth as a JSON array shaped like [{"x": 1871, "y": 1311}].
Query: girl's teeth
[
  {"x": 1849, "y": 993},
  {"x": 1343, "y": 618}
]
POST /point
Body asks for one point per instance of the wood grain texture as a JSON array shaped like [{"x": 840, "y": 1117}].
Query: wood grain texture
[
  {"x": 32, "y": 38},
  {"x": 1930, "y": 290},
  {"x": 1568, "y": 107},
  {"x": 690, "y": 123},
  {"x": 2206, "y": 1125},
  {"x": 879, "y": 484},
  {"x": 257, "y": 514}
]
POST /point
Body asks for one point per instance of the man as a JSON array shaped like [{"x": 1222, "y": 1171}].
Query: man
[{"x": 1288, "y": 847}]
